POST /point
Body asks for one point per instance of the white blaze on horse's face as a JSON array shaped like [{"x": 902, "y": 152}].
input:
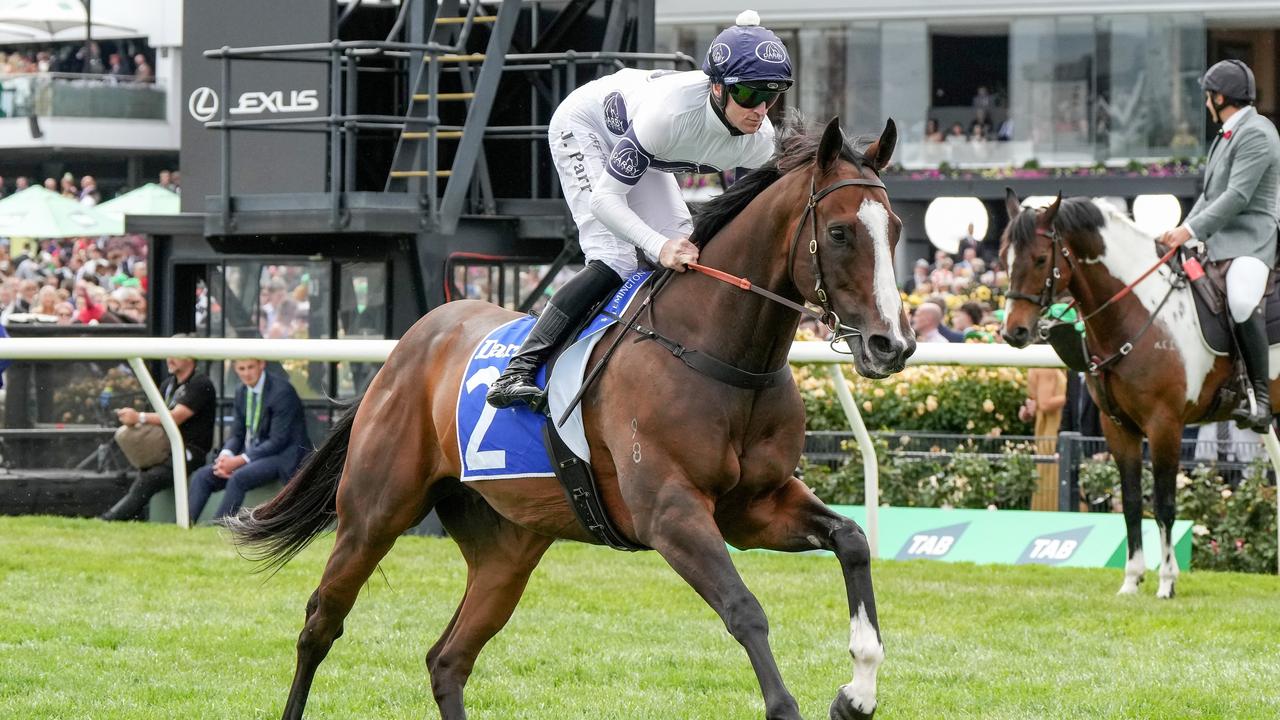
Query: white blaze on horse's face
[
  {"x": 868, "y": 653},
  {"x": 875, "y": 218},
  {"x": 1008, "y": 301}
]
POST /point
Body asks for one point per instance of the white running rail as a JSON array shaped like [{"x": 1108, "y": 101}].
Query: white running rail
[{"x": 135, "y": 350}]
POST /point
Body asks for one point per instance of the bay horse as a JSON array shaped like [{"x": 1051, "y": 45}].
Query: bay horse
[
  {"x": 1154, "y": 376},
  {"x": 684, "y": 462}
]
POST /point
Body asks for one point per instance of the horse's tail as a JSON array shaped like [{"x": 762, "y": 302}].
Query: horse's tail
[{"x": 274, "y": 532}]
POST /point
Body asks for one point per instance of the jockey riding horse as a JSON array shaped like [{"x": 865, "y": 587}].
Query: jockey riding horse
[{"x": 609, "y": 133}]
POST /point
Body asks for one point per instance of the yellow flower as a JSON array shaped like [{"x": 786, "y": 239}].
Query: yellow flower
[
  {"x": 982, "y": 292},
  {"x": 866, "y": 406},
  {"x": 931, "y": 403},
  {"x": 988, "y": 406},
  {"x": 879, "y": 392}
]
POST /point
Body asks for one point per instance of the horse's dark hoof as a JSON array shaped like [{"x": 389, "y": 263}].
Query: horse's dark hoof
[{"x": 848, "y": 706}]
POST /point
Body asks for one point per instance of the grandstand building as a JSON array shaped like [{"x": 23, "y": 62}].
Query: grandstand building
[
  {"x": 106, "y": 103},
  {"x": 1103, "y": 91}
]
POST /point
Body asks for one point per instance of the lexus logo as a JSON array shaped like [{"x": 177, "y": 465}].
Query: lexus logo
[{"x": 203, "y": 104}]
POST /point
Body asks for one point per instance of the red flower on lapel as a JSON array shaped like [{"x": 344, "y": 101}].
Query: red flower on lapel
[{"x": 1226, "y": 135}]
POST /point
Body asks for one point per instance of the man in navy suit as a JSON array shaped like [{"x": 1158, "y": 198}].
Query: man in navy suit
[{"x": 267, "y": 442}]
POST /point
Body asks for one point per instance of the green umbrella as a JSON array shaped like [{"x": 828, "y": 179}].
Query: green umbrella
[
  {"x": 150, "y": 199},
  {"x": 39, "y": 213}
]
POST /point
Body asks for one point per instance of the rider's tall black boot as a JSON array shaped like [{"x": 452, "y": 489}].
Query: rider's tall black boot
[
  {"x": 1254, "y": 348},
  {"x": 566, "y": 311}
]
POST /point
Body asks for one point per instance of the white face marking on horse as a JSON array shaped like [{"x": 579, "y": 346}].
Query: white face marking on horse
[
  {"x": 1129, "y": 252},
  {"x": 868, "y": 653},
  {"x": 1008, "y": 302},
  {"x": 875, "y": 218}
]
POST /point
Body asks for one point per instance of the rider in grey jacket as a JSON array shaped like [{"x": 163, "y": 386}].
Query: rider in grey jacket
[{"x": 1236, "y": 218}]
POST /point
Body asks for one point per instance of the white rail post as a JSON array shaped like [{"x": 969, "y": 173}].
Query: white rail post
[
  {"x": 177, "y": 450},
  {"x": 870, "y": 465},
  {"x": 1273, "y": 451}
]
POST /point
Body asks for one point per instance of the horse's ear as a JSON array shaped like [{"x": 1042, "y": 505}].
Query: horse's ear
[
  {"x": 880, "y": 151},
  {"x": 831, "y": 145},
  {"x": 1011, "y": 203},
  {"x": 1050, "y": 213}
]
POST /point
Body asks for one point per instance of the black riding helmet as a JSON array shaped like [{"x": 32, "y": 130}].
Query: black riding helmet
[{"x": 1231, "y": 78}]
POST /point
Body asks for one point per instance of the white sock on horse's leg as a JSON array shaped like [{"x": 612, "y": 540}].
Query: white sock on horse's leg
[
  {"x": 1168, "y": 564},
  {"x": 1134, "y": 568},
  {"x": 868, "y": 653}
]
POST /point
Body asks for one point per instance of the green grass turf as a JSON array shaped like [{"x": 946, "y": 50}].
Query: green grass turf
[{"x": 149, "y": 621}]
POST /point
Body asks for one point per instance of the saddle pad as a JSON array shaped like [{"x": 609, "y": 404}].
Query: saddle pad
[
  {"x": 1215, "y": 328},
  {"x": 496, "y": 444}
]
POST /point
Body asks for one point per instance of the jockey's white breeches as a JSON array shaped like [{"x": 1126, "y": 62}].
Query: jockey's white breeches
[
  {"x": 580, "y": 152},
  {"x": 1246, "y": 284}
]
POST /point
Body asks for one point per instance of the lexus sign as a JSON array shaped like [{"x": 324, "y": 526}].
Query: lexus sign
[{"x": 203, "y": 103}]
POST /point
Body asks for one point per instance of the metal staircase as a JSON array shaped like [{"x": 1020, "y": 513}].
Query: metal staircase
[{"x": 416, "y": 167}]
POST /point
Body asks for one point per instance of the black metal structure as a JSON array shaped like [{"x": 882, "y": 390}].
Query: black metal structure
[{"x": 432, "y": 122}]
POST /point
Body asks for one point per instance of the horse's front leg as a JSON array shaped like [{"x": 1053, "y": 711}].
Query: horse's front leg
[
  {"x": 793, "y": 519},
  {"x": 1166, "y": 448},
  {"x": 1126, "y": 449},
  {"x": 676, "y": 519}
]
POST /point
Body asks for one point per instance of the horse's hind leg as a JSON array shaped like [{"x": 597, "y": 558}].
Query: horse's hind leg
[
  {"x": 366, "y": 531},
  {"x": 500, "y": 557},
  {"x": 1126, "y": 448},
  {"x": 793, "y": 519},
  {"x": 1166, "y": 448}
]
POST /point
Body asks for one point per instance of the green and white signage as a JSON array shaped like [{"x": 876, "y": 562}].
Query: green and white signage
[{"x": 1015, "y": 537}]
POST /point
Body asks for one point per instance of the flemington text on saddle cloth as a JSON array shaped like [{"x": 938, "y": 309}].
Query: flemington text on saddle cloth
[{"x": 496, "y": 444}]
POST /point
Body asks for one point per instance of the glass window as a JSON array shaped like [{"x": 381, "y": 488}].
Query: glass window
[
  {"x": 362, "y": 313},
  {"x": 1148, "y": 97}
]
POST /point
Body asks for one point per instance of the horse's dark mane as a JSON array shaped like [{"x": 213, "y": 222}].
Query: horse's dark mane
[
  {"x": 1076, "y": 216},
  {"x": 796, "y": 146}
]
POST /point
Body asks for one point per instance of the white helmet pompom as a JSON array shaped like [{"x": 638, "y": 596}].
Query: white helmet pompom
[{"x": 748, "y": 18}]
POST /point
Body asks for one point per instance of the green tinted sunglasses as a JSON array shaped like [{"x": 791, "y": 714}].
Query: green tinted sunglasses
[{"x": 748, "y": 97}]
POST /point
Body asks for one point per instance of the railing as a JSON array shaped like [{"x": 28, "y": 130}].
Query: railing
[
  {"x": 80, "y": 95},
  {"x": 135, "y": 350}
]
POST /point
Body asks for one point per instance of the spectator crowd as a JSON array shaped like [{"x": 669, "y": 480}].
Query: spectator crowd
[
  {"x": 122, "y": 60},
  {"x": 80, "y": 280}
]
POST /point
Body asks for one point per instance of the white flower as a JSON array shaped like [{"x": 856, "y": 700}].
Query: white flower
[{"x": 1199, "y": 530}]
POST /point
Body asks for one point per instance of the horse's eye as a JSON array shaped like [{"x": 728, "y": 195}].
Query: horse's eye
[
  {"x": 1042, "y": 260},
  {"x": 837, "y": 235}
]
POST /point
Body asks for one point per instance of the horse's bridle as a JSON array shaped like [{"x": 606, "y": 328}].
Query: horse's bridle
[
  {"x": 839, "y": 331},
  {"x": 1049, "y": 293}
]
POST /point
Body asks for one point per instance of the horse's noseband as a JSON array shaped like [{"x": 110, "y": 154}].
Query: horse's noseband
[{"x": 839, "y": 331}]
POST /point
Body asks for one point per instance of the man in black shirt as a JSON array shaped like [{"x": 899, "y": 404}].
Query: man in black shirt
[{"x": 192, "y": 401}]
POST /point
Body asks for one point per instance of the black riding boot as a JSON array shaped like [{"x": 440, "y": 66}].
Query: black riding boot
[
  {"x": 565, "y": 312},
  {"x": 1254, "y": 348}
]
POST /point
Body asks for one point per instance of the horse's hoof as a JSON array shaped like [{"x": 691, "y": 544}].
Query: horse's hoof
[
  {"x": 1165, "y": 593},
  {"x": 1130, "y": 585},
  {"x": 849, "y": 706}
]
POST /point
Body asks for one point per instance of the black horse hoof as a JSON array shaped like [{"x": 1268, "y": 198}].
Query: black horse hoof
[{"x": 848, "y": 706}]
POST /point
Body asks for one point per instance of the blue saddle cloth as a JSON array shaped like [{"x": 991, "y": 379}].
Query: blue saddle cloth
[{"x": 507, "y": 443}]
